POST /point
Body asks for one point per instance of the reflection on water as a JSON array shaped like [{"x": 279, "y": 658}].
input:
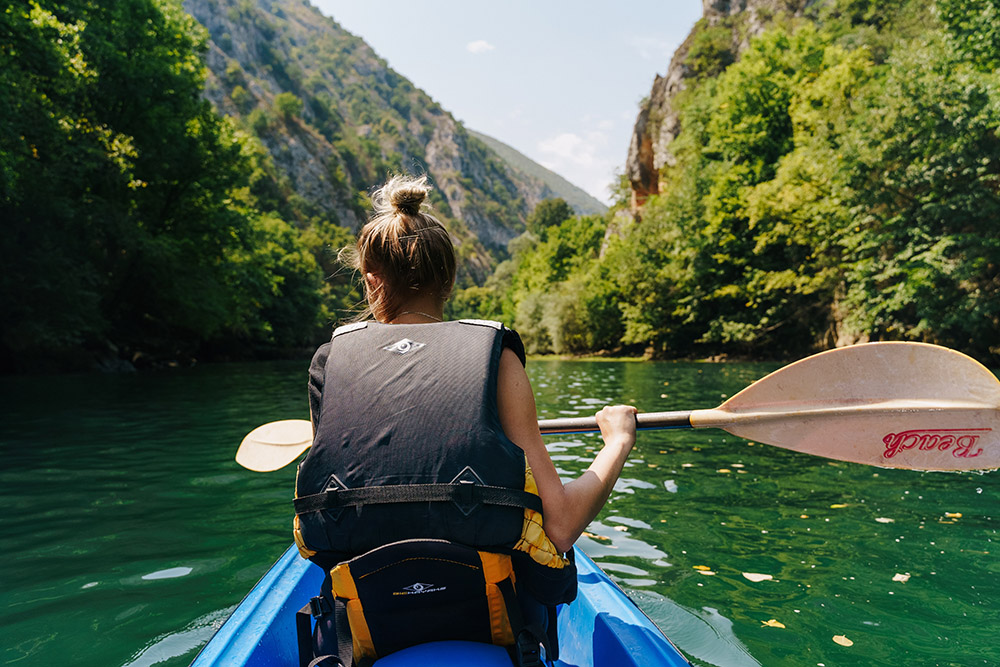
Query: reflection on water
[
  {"x": 703, "y": 634},
  {"x": 128, "y": 532},
  {"x": 182, "y": 643}
]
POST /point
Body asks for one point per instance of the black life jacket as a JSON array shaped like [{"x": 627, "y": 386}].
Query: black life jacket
[
  {"x": 408, "y": 442},
  {"x": 408, "y": 449}
]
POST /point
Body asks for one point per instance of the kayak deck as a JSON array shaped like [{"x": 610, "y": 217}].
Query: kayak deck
[{"x": 601, "y": 627}]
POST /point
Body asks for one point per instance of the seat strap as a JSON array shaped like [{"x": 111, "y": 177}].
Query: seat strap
[
  {"x": 330, "y": 615},
  {"x": 527, "y": 638},
  {"x": 303, "y": 631}
]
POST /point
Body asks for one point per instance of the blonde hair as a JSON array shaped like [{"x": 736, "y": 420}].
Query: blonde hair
[{"x": 405, "y": 246}]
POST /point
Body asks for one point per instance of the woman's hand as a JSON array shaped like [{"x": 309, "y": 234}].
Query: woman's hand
[{"x": 617, "y": 424}]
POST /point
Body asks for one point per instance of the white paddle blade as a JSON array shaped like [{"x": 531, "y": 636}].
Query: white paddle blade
[
  {"x": 274, "y": 445},
  {"x": 892, "y": 405}
]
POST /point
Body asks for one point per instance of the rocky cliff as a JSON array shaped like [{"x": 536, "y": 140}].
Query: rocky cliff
[
  {"x": 725, "y": 30},
  {"x": 335, "y": 118}
]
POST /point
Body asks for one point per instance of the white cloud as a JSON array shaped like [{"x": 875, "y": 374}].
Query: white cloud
[
  {"x": 572, "y": 148},
  {"x": 479, "y": 46},
  {"x": 568, "y": 148},
  {"x": 581, "y": 159},
  {"x": 656, "y": 50}
]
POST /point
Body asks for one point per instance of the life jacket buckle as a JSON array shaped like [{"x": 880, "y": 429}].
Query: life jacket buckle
[
  {"x": 465, "y": 483},
  {"x": 466, "y": 487},
  {"x": 319, "y": 606}
]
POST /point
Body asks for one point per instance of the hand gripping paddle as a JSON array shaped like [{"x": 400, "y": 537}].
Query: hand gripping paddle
[{"x": 893, "y": 405}]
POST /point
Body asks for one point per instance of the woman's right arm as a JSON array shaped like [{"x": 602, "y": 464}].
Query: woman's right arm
[{"x": 567, "y": 508}]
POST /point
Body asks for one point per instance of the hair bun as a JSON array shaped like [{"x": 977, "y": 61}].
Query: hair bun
[{"x": 401, "y": 194}]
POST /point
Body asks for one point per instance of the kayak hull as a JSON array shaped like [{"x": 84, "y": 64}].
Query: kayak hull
[{"x": 601, "y": 627}]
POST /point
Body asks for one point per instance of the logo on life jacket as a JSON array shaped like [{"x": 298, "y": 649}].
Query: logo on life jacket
[
  {"x": 414, "y": 589},
  {"x": 404, "y": 346}
]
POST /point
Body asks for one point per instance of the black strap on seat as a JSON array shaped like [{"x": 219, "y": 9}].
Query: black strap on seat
[
  {"x": 527, "y": 637},
  {"x": 303, "y": 631},
  {"x": 316, "y": 647},
  {"x": 461, "y": 493}
]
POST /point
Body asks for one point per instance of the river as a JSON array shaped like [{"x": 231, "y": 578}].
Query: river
[{"x": 128, "y": 533}]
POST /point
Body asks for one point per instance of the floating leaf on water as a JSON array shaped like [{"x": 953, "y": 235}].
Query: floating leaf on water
[
  {"x": 621, "y": 529},
  {"x": 885, "y": 519},
  {"x": 663, "y": 396},
  {"x": 757, "y": 577},
  {"x": 723, "y": 470},
  {"x": 953, "y": 515},
  {"x": 803, "y": 516},
  {"x": 670, "y": 485},
  {"x": 773, "y": 623},
  {"x": 901, "y": 577},
  {"x": 653, "y": 465},
  {"x": 838, "y": 506},
  {"x": 707, "y": 573},
  {"x": 596, "y": 537},
  {"x": 687, "y": 465},
  {"x": 842, "y": 640}
]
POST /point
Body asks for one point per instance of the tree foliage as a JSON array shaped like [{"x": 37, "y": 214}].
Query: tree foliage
[
  {"x": 839, "y": 182},
  {"x": 128, "y": 216}
]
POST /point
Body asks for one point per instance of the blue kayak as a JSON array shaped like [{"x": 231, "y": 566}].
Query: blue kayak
[{"x": 601, "y": 627}]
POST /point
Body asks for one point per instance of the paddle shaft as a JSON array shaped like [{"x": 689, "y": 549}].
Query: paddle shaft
[
  {"x": 892, "y": 405},
  {"x": 646, "y": 421}
]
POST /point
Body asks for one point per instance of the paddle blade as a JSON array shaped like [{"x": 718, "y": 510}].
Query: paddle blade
[
  {"x": 274, "y": 445},
  {"x": 893, "y": 405}
]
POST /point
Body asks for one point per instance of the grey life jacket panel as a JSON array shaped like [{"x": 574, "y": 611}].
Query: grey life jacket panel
[{"x": 411, "y": 404}]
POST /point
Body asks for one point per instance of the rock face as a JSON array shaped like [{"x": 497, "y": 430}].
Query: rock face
[
  {"x": 658, "y": 124},
  {"x": 356, "y": 121}
]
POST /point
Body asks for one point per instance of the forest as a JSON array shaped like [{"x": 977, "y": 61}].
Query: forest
[
  {"x": 136, "y": 219},
  {"x": 836, "y": 181}
]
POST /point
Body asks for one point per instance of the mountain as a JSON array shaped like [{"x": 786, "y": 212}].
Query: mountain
[
  {"x": 581, "y": 202},
  {"x": 335, "y": 119}
]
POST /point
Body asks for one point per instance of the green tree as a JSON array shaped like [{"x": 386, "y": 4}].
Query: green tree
[
  {"x": 974, "y": 26},
  {"x": 548, "y": 213},
  {"x": 924, "y": 250},
  {"x": 125, "y": 199},
  {"x": 288, "y": 105},
  {"x": 52, "y": 149}
]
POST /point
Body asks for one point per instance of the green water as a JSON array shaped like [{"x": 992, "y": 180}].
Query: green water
[{"x": 127, "y": 532}]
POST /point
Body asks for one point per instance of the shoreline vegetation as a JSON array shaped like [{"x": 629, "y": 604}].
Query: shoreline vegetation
[{"x": 833, "y": 178}]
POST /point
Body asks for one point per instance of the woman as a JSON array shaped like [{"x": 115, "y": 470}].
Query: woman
[{"x": 410, "y": 404}]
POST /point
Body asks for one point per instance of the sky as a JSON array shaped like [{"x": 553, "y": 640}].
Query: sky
[{"x": 559, "y": 81}]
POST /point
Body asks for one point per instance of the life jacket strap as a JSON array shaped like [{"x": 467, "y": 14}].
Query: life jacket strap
[{"x": 463, "y": 494}]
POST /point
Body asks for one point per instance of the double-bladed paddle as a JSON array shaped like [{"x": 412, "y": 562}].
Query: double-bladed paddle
[{"x": 892, "y": 405}]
